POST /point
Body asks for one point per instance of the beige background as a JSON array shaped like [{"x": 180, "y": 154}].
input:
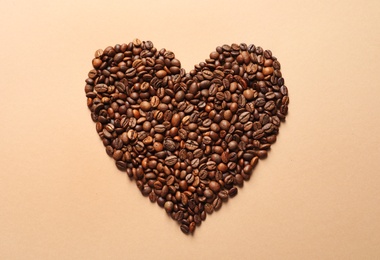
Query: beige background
[{"x": 317, "y": 196}]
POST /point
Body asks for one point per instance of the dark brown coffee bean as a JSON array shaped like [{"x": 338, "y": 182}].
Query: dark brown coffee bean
[
  {"x": 189, "y": 178},
  {"x": 207, "y": 74},
  {"x": 195, "y": 163},
  {"x": 208, "y": 193},
  {"x": 248, "y": 169},
  {"x": 121, "y": 165},
  {"x": 169, "y": 144},
  {"x": 161, "y": 74},
  {"x": 101, "y": 88},
  {"x": 207, "y": 140},
  {"x": 209, "y": 208},
  {"x": 217, "y": 203},
  {"x": 250, "y": 94},
  {"x": 185, "y": 229},
  {"x": 258, "y": 134},
  {"x": 214, "y": 186},
  {"x": 211, "y": 165},
  {"x": 171, "y": 160},
  {"x": 270, "y": 105},
  {"x": 262, "y": 154},
  {"x": 159, "y": 129},
  {"x": 244, "y": 117},
  {"x": 222, "y": 167},
  {"x": 203, "y": 174},
  {"x": 232, "y": 192},
  {"x": 224, "y": 124},
  {"x": 154, "y": 102},
  {"x": 145, "y": 105},
  {"x": 170, "y": 180},
  {"x": 131, "y": 72},
  {"x": 191, "y": 145},
  {"x": 223, "y": 194},
  {"x": 168, "y": 206}
]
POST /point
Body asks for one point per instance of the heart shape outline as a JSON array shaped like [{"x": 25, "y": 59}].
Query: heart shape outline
[{"x": 187, "y": 139}]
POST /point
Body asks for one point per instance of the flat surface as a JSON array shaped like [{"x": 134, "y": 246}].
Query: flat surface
[{"x": 316, "y": 196}]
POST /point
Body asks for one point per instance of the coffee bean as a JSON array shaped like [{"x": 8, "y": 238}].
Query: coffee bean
[
  {"x": 168, "y": 206},
  {"x": 224, "y": 125},
  {"x": 250, "y": 94},
  {"x": 262, "y": 154},
  {"x": 270, "y": 105},
  {"x": 248, "y": 169},
  {"x": 161, "y": 74},
  {"x": 159, "y": 129},
  {"x": 222, "y": 167},
  {"x": 170, "y": 180},
  {"x": 171, "y": 160},
  {"x": 121, "y": 165},
  {"x": 130, "y": 72},
  {"x": 214, "y": 186},
  {"x": 155, "y": 101},
  {"x": 101, "y": 88},
  {"x": 185, "y": 229},
  {"x": 232, "y": 192},
  {"x": 208, "y": 193},
  {"x": 189, "y": 178},
  {"x": 158, "y": 147},
  {"x": 217, "y": 203},
  {"x": 145, "y": 106},
  {"x": 191, "y": 145},
  {"x": 209, "y": 208},
  {"x": 207, "y": 74},
  {"x": 223, "y": 194},
  {"x": 203, "y": 174},
  {"x": 97, "y": 62},
  {"x": 244, "y": 117}
]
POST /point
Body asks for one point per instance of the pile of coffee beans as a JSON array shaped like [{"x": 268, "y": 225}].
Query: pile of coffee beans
[{"x": 187, "y": 139}]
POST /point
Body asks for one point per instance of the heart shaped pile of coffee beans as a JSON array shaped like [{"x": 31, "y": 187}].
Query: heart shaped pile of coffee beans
[{"x": 187, "y": 139}]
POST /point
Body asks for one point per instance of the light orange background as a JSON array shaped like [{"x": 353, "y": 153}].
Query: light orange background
[{"x": 317, "y": 195}]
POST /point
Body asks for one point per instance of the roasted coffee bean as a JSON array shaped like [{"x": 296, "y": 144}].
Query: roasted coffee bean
[
  {"x": 224, "y": 125},
  {"x": 214, "y": 186},
  {"x": 159, "y": 129},
  {"x": 155, "y": 101},
  {"x": 217, "y": 203},
  {"x": 188, "y": 139},
  {"x": 244, "y": 117},
  {"x": 121, "y": 165},
  {"x": 101, "y": 88},
  {"x": 189, "y": 178},
  {"x": 207, "y": 140},
  {"x": 170, "y": 180},
  {"x": 203, "y": 174},
  {"x": 171, "y": 160},
  {"x": 232, "y": 192},
  {"x": 168, "y": 206},
  {"x": 185, "y": 229},
  {"x": 209, "y": 208},
  {"x": 169, "y": 144},
  {"x": 191, "y": 145},
  {"x": 195, "y": 163},
  {"x": 270, "y": 105},
  {"x": 223, "y": 194},
  {"x": 145, "y": 105}
]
